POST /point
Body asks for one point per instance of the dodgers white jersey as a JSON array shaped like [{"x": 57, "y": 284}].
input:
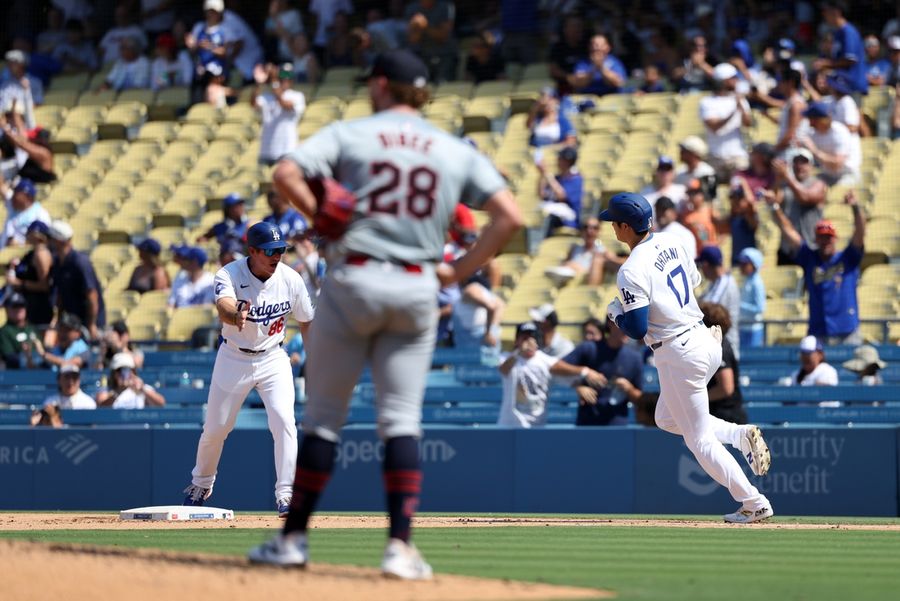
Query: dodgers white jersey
[
  {"x": 283, "y": 294},
  {"x": 660, "y": 274}
]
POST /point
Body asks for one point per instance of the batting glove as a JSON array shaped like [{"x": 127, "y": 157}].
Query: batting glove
[{"x": 614, "y": 309}]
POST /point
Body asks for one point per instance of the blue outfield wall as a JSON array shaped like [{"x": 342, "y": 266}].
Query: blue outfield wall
[{"x": 822, "y": 471}]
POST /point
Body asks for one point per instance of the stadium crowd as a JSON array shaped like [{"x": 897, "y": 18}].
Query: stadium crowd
[{"x": 802, "y": 65}]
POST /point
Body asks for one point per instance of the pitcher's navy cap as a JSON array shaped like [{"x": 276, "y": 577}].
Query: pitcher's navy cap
[
  {"x": 400, "y": 66},
  {"x": 265, "y": 236},
  {"x": 630, "y": 208}
]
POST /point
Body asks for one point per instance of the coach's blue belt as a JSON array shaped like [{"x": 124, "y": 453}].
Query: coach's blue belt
[{"x": 656, "y": 345}]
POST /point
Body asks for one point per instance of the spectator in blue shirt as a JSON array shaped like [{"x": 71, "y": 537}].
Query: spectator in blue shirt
[
  {"x": 847, "y": 51},
  {"x": 878, "y": 68},
  {"x": 753, "y": 299},
  {"x": 561, "y": 193},
  {"x": 602, "y": 73},
  {"x": 621, "y": 367},
  {"x": 288, "y": 219},
  {"x": 75, "y": 282},
  {"x": 233, "y": 226},
  {"x": 65, "y": 345},
  {"x": 830, "y": 275}
]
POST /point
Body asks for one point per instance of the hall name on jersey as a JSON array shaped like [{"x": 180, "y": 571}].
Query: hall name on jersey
[
  {"x": 667, "y": 254},
  {"x": 403, "y": 140},
  {"x": 267, "y": 312}
]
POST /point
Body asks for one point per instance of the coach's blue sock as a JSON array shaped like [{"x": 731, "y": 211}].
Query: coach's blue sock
[
  {"x": 315, "y": 461},
  {"x": 402, "y": 482}
]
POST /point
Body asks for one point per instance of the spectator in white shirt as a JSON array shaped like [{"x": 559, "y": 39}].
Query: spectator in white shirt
[
  {"x": 193, "y": 285},
  {"x": 664, "y": 183},
  {"x": 831, "y": 143},
  {"x": 281, "y": 111},
  {"x": 19, "y": 89},
  {"x": 667, "y": 221},
  {"x": 693, "y": 151},
  {"x": 69, "y": 394},
  {"x": 724, "y": 114},
  {"x": 814, "y": 371},
  {"x": 547, "y": 320},
  {"x": 126, "y": 389},
  {"x": 171, "y": 67},
  {"x": 125, "y": 28},
  {"x": 132, "y": 70},
  {"x": 282, "y": 24}
]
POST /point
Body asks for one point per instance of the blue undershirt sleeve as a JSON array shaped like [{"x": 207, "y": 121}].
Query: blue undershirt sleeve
[{"x": 634, "y": 322}]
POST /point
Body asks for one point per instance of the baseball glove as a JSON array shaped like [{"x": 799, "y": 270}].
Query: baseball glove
[{"x": 335, "y": 205}]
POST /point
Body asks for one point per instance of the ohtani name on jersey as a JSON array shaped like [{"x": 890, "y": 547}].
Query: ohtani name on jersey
[
  {"x": 668, "y": 254},
  {"x": 405, "y": 140},
  {"x": 267, "y": 312}
]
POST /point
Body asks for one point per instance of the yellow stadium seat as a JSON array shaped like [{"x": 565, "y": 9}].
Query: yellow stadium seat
[
  {"x": 463, "y": 89},
  {"x": 168, "y": 102},
  {"x": 241, "y": 112},
  {"x": 142, "y": 327},
  {"x": 123, "y": 121},
  {"x": 63, "y": 98},
  {"x": 97, "y": 98},
  {"x": 167, "y": 236},
  {"x": 70, "y": 82},
  {"x": 185, "y": 320},
  {"x": 205, "y": 114},
  {"x": 159, "y": 131},
  {"x": 340, "y": 76}
]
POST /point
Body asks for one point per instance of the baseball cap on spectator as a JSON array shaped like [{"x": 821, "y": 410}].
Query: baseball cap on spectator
[
  {"x": 786, "y": 48},
  {"x": 120, "y": 327},
  {"x": 69, "y": 368},
  {"x": 528, "y": 328},
  {"x": 695, "y": 145},
  {"x": 840, "y": 84},
  {"x": 60, "y": 231},
  {"x": 724, "y": 72},
  {"x": 27, "y": 186},
  {"x": 286, "y": 71},
  {"x": 893, "y": 43},
  {"x": 694, "y": 186},
  {"x": 817, "y": 110},
  {"x": 568, "y": 154},
  {"x": 810, "y": 344},
  {"x": 864, "y": 356},
  {"x": 826, "y": 228},
  {"x": 70, "y": 321},
  {"x": 14, "y": 300},
  {"x": 741, "y": 49},
  {"x": 16, "y": 56},
  {"x": 544, "y": 313},
  {"x": 463, "y": 218},
  {"x": 231, "y": 200},
  {"x": 803, "y": 153},
  {"x": 400, "y": 66},
  {"x": 150, "y": 246},
  {"x": 752, "y": 256},
  {"x": 39, "y": 227},
  {"x": 710, "y": 254},
  {"x": 195, "y": 253},
  {"x": 216, "y": 5},
  {"x": 180, "y": 250},
  {"x": 121, "y": 360},
  {"x": 665, "y": 163}
]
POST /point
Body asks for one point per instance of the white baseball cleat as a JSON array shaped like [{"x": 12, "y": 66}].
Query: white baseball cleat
[
  {"x": 748, "y": 516},
  {"x": 755, "y": 451},
  {"x": 286, "y": 550},
  {"x": 402, "y": 560}
]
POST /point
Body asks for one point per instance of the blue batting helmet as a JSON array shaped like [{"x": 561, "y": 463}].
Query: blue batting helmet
[
  {"x": 630, "y": 208},
  {"x": 265, "y": 236}
]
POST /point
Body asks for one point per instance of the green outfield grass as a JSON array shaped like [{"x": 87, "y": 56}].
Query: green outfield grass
[{"x": 638, "y": 563}]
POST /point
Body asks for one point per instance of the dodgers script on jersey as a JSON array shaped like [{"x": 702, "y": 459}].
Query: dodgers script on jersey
[
  {"x": 270, "y": 303},
  {"x": 407, "y": 176},
  {"x": 661, "y": 274}
]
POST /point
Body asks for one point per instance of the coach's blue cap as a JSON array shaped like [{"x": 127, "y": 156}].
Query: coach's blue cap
[
  {"x": 630, "y": 208},
  {"x": 817, "y": 109},
  {"x": 27, "y": 186},
  {"x": 265, "y": 236},
  {"x": 710, "y": 254},
  {"x": 231, "y": 200}
]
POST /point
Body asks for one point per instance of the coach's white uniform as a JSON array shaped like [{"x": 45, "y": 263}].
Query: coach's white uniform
[
  {"x": 253, "y": 358},
  {"x": 660, "y": 273}
]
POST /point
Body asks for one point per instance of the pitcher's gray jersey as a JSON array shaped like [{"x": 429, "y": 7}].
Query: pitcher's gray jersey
[{"x": 408, "y": 177}]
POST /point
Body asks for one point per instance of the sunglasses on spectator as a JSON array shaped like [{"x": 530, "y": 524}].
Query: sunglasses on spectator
[{"x": 271, "y": 252}]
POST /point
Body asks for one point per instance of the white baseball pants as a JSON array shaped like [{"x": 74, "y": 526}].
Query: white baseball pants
[
  {"x": 234, "y": 375},
  {"x": 685, "y": 365}
]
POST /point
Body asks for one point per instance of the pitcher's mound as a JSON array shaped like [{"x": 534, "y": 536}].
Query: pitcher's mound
[{"x": 39, "y": 571}]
